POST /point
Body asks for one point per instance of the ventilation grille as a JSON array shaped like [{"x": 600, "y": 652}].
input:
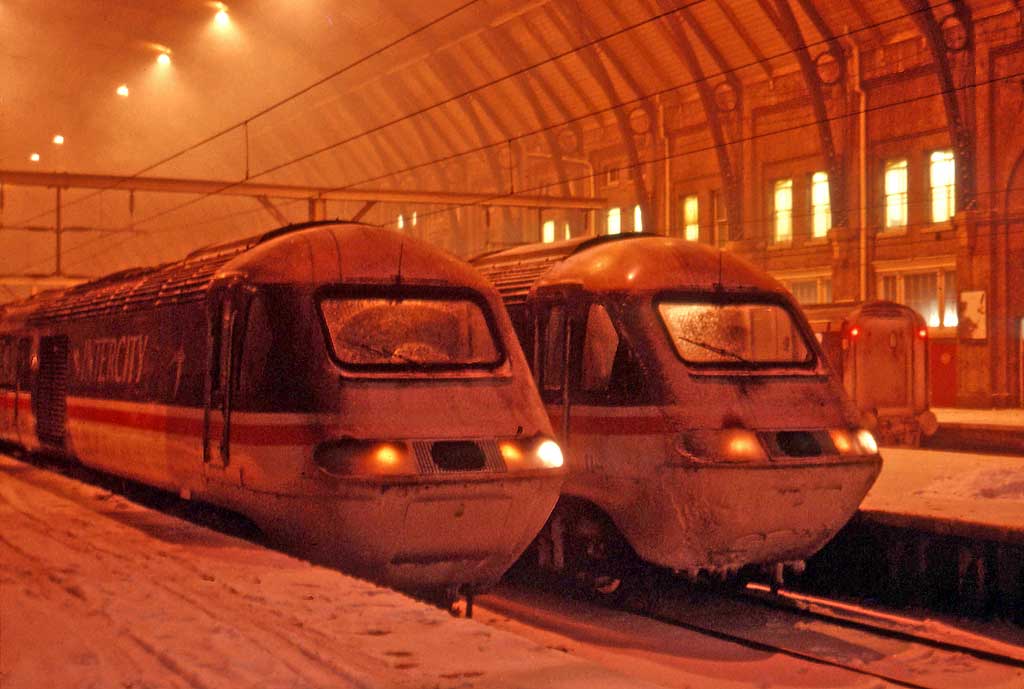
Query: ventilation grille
[
  {"x": 458, "y": 456},
  {"x": 51, "y": 397}
]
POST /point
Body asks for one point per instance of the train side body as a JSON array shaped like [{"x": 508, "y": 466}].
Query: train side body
[
  {"x": 267, "y": 384},
  {"x": 703, "y": 460}
]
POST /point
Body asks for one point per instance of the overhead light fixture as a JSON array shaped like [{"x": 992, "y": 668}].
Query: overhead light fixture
[
  {"x": 34, "y": 157},
  {"x": 222, "y": 17},
  {"x": 58, "y": 139},
  {"x": 163, "y": 59},
  {"x": 122, "y": 90}
]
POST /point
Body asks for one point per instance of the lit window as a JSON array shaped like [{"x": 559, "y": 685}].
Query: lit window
[
  {"x": 638, "y": 219},
  {"x": 414, "y": 218},
  {"x": 943, "y": 184},
  {"x": 547, "y": 231},
  {"x": 568, "y": 231},
  {"x": 401, "y": 221},
  {"x": 896, "y": 193},
  {"x": 614, "y": 221},
  {"x": 691, "y": 218},
  {"x": 812, "y": 291},
  {"x": 783, "y": 210},
  {"x": 932, "y": 294},
  {"x": 949, "y": 315},
  {"x": 821, "y": 206}
]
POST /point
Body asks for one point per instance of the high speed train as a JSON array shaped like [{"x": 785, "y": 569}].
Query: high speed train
[
  {"x": 702, "y": 429},
  {"x": 358, "y": 394}
]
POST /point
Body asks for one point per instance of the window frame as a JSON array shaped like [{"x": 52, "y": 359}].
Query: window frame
[
  {"x": 814, "y": 206},
  {"x": 782, "y": 183},
  {"x": 423, "y": 292},
  {"x": 950, "y": 188},
  {"x": 740, "y": 367},
  {"x": 902, "y": 162}
]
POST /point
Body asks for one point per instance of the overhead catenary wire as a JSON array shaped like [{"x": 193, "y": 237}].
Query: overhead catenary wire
[{"x": 521, "y": 135}]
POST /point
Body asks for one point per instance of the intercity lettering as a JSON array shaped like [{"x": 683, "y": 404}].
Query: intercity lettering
[{"x": 110, "y": 359}]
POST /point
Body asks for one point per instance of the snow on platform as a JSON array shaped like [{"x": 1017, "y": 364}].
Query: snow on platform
[
  {"x": 957, "y": 493},
  {"x": 96, "y": 591},
  {"x": 998, "y": 418}
]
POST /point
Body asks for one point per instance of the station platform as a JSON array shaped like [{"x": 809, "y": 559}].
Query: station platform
[
  {"x": 941, "y": 530},
  {"x": 98, "y": 591},
  {"x": 982, "y": 430},
  {"x": 979, "y": 496}
]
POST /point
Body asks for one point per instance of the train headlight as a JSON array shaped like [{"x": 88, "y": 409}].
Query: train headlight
[
  {"x": 843, "y": 441},
  {"x": 352, "y": 457},
  {"x": 550, "y": 454},
  {"x": 730, "y": 445},
  {"x": 536, "y": 453},
  {"x": 867, "y": 442}
]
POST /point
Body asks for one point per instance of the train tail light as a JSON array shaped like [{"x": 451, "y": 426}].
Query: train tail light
[
  {"x": 923, "y": 333},
  {"x": 353, "y": 457},
  {"x": 854, "y": 332},
  {"x": 536, "y": 453},
  {"x": 726, "y": 445}
]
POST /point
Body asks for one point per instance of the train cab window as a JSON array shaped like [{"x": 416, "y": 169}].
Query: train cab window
[
  {"x": 735, "y": 335},
  {"x": 599, "y": 346},
  {"x": 610, "y": 373},
  {"x": 388, "y": 333}
]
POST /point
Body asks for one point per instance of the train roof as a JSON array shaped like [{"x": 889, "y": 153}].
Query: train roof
[
  {"x": 309, "y": 253},
  {"x": 638, "y": 262},
  {"x": 824, "y": 316}
]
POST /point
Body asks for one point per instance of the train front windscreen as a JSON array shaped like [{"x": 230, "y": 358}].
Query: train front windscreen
[
  {"x": 433, "y": 331},
  {"x": 735, "y": 334}
]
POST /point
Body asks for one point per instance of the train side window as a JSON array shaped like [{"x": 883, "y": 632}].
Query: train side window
[
  {"x": 611, "y": 374},
  {"x": 553, "y": 329},
  {"x": 7, "y": 367},
  {"x": 599, "y": 346}
]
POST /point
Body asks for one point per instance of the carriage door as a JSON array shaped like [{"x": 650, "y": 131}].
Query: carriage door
[
  {"x": 50, "y": 399},
  {"x": 217, "y": 411},
  {"x": 554, "y": 362}
]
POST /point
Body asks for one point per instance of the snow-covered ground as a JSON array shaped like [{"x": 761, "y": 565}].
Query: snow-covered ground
[
  {"x": 1010, "y": 418},
  {"x": 98, "y": 592},
  {"x": 954, "y": 486}
]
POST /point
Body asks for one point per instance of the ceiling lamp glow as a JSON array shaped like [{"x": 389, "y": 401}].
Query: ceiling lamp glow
[
  {"x": 34, "y": 157},
  {"x": 163, "y": 59},
  {"x": 58, "y": 139},
  {"x": 122, "y": 90},
  {"x": 222, "y": 17}
]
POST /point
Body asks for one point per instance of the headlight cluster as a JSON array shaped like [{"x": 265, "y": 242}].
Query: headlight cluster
[
  {"x": 352, "y": 457},
  {"x": 536, "y": 453},
  {"x": 859, "y": 442},
  {"x": 729, "y": 444}
]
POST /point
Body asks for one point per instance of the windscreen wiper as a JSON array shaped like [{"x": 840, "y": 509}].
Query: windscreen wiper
[{"x": 715, "y": 349}]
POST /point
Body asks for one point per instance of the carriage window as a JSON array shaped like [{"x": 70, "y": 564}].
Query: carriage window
[
  {"x": 436, "y": 332},
  {"x": 554, "y": 349},
  {"x": 735, "y": 335}
]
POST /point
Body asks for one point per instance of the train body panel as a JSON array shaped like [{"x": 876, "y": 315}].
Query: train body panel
[
  {"x": 698, "y": 416},
  {"x": 358, "y": 394}
]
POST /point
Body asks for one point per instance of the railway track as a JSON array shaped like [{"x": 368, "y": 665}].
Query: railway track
[{"x": 897, "y": 651}]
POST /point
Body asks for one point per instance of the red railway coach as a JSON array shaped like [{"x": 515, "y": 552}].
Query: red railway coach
[
  {"x": 358, "y": 394},
  {"x": 703, "y": 432},
  {"x": 880, "y": 351}
]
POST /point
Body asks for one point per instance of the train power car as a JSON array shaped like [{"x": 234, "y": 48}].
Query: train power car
[
  {"x": 358, "y": 394},
  {"x": 702, "y": 430},
  {"x": 880, "y": 350}
]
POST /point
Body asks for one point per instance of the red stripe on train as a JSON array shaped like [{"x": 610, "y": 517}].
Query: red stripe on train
[{"x": 241, "y": 433}]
